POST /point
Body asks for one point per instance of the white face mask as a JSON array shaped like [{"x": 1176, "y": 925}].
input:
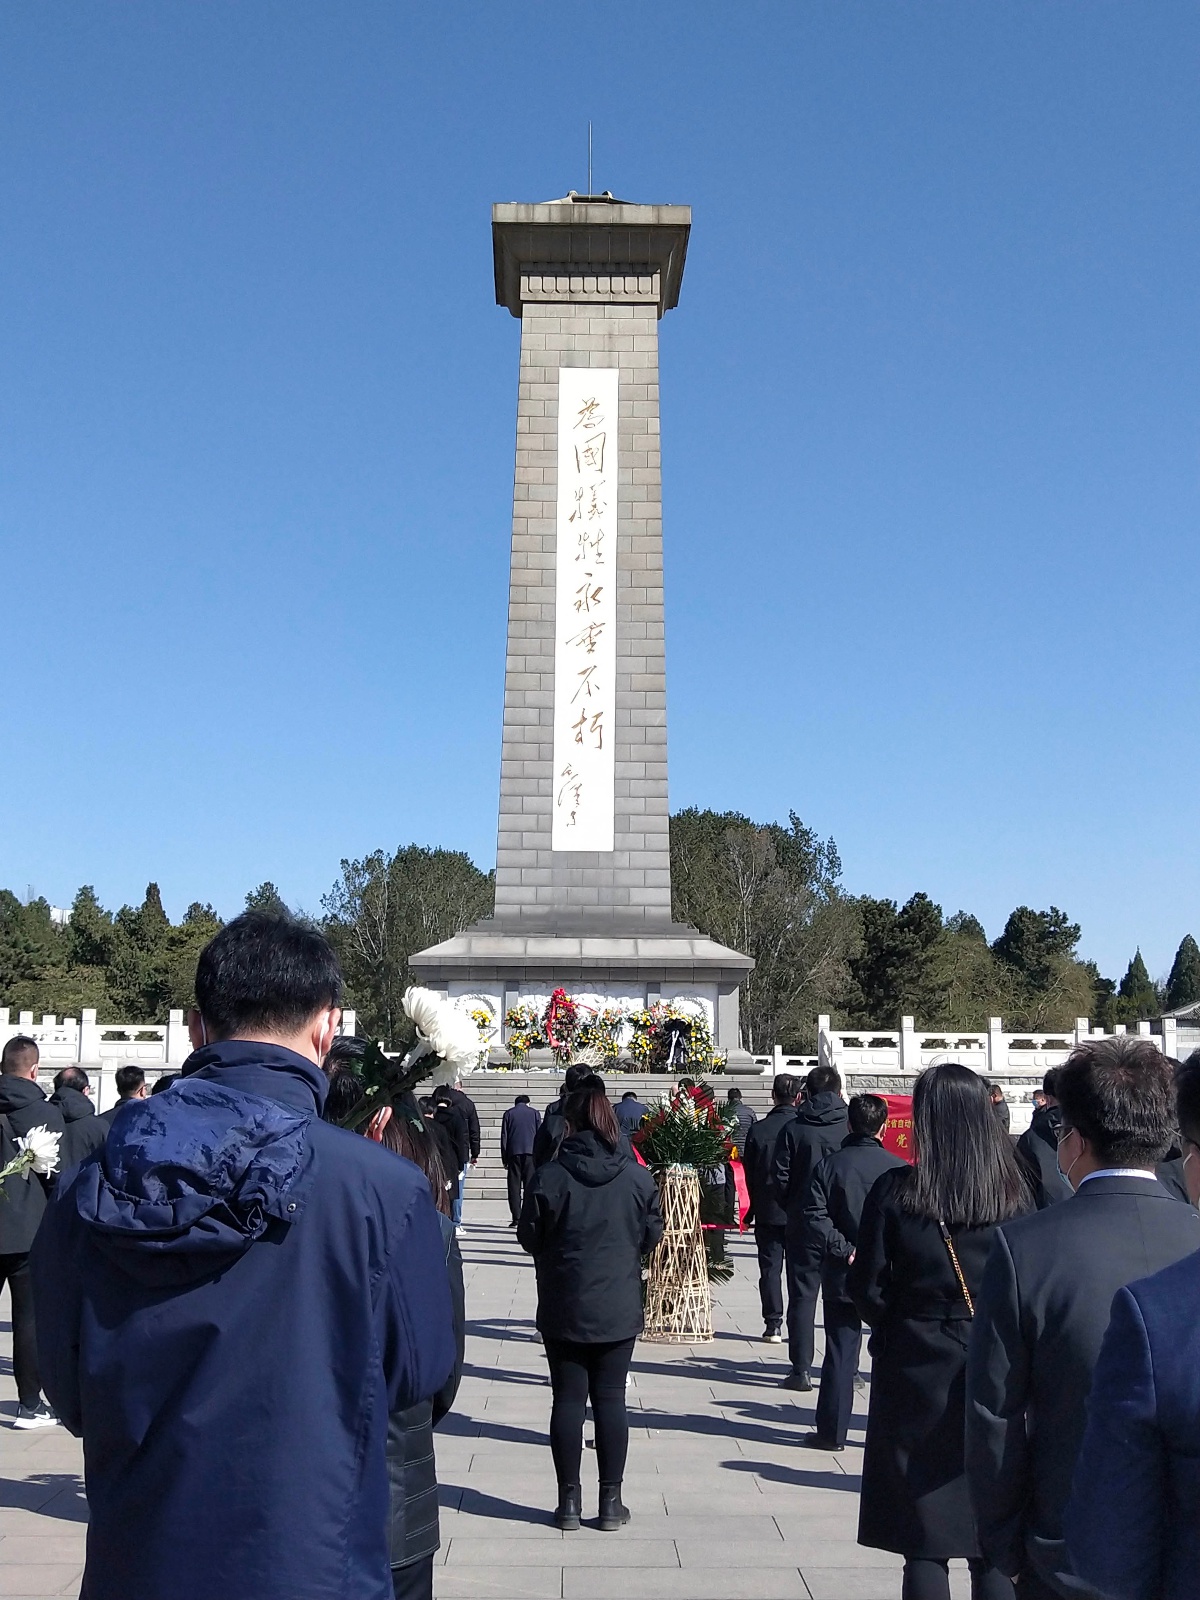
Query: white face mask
[{"x": 1066, "y": 1176}]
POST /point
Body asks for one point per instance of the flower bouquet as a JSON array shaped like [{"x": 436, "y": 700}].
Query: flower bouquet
[
  {"x": 448, "y": 1042},
  {"x": 38, "y": 1152}
]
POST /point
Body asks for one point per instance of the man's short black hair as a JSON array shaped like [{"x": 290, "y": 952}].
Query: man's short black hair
[
  {"x": 824, "y": 1080},
  {"x": 866, "y": 1113},
  {"x": 1187, "y": 1096},
  {"x": 734, "y": 1095},
  {"x": 72, "y": 1078},
  {"x": 630, "y": 1094},
  {"x": 521, "y": 1100},
  {"x": 1050, "y": 1081},
  {"x": 346, "y": 1051},
  {"x": 1119, "y": 1093},
  {"x": 785, "y": 1088},
  {"x": 16, "y": 1055},
  {"x": 128, "y": 1080},
  {"x": 265, "y": 973}
]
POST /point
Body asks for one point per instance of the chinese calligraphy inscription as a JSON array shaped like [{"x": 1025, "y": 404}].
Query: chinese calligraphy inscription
[{"x": 585, "y": 626}]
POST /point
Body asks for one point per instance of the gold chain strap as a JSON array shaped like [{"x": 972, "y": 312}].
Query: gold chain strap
[{"x": 958, "y": 1271}]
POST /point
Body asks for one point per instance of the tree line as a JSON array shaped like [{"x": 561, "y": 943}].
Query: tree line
[{"x": 771, "y": 890}]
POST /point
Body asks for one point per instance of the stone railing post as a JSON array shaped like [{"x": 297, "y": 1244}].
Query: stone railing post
[
  {"x": 1170, "y": 1037},
  {"x": 349, "y": 1023},
  {"x": 89, "y": 1036},
  {"x": 910, "y": 1056},
  {"x": 997, "y": 1050},
  {"x": 824, "y": 1043},
  {"x": 178, "y": 1040},
  {"x": 1083, "y": 1029}
]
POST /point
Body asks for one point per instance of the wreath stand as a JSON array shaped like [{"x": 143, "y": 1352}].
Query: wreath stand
[{"x": 678, "y": 1301}]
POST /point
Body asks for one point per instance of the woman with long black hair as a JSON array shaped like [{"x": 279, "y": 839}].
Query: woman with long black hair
[
  {"x": 925, "y": 1235},
  {"x": 412, "y": 1470},
  {"x": 590, "y": 1215}
]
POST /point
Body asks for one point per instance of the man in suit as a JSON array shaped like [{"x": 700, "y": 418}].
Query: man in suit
[
  {"x": 840, "y": 1186},
  {"x": 745, "y": 1117},
  {"x": 1037, "y": 1148},
  {"x": 1043, "y": 1307},
  {"x": 629, "y": 1112},
  {"x": 818, "y": 1127},
  {"x": 518, "y": 1130},
  {"x": 767, "y": 1215},
  {"x": 131, "y": 1086},
  {"x": 1133, "y": 1521}
]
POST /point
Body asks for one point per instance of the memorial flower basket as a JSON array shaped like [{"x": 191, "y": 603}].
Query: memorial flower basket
[{"x": 680, "y": 1140}]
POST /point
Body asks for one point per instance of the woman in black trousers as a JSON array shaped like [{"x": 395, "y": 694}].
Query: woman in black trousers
[
  {"x": 589, "y": 1217},
  {"x": 925, "y": 1235}
]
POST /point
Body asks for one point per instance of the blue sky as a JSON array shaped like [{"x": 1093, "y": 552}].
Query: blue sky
[{"x": 930, "y": 432}]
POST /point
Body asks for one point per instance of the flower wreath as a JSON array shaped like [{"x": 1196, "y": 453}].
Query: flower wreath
[{"x": 562, "y": 1014}]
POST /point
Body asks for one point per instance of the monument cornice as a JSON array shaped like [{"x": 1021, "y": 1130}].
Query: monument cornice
[{"x": 589, "y": 235}]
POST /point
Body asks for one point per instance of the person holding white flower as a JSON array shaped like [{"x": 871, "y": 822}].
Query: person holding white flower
[{"x": 25, "y": 1113}]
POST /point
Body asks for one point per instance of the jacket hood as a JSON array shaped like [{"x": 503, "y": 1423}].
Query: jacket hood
[
  {"x": 188, "y": 1179},
  {"x": 822, "y": 1109},
  {"x": 73, "y": 1104},
  {"x": 589, "y": 1160},
  {"x": 17, "y": 1093}
]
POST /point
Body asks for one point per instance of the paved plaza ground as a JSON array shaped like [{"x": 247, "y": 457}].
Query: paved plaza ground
[{"x": 726, "y": 1505}]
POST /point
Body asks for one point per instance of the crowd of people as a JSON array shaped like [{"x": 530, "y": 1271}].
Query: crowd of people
[{"x": 254, "y": 1318}]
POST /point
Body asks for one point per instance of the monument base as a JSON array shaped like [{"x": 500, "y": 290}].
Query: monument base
[{"x": 504, "y": 965}]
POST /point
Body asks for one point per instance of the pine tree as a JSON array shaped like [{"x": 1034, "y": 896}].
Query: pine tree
[
  {"x": 1138, "y": 996},
  {"x": 1183, "y": 986}
]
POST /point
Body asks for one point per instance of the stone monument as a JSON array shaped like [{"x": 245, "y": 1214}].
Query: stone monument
[{"x": 583, "y": 871}]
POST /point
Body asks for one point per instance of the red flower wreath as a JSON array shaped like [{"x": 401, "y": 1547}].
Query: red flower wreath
[{"x": 561, "y": 1017}]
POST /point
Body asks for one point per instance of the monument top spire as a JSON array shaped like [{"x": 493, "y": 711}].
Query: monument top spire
[{"x": 582, "y": 234}]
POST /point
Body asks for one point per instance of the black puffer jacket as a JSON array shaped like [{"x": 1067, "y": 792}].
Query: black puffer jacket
[
  {"x": 818, "y": 1127},
  {"x": 758, "y": 1161},
  {"x": 1037, "y": 1152},
  {"x": 23, "y": 1106},
  {"x": 412, "y": 1469},
  {"x": 589, "y": 1217},
  {"x": 84, "y": 1130}
]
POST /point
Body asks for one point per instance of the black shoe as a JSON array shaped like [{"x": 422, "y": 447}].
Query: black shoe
[
  {"x": 38, "y": 1416},
  {"x": 814, "y": 1441},
  {"x": 613, "y": 1514},
  {"x": 570, "y": 1507},
  {"x": 797, "y": 1380},
  {"x": 513, "y": 1223}
]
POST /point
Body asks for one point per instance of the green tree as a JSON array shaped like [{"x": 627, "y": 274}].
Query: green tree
[
  {"x": 1137, "y": 996},
  {"x": 383, "y": 908},
  {"x": 890, "y": 975},
  {"x": 1034, "y": 941},
  {"x": 1183, "y": 985},
  {"x": 33, "y": 953},
  {"x": 772, "y": 892},
  {"x": 267, "y": 898},
  {"x": 964, "y": 983}
]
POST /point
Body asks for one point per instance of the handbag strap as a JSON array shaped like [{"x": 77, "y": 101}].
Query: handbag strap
[{"x": 958, "y": 1271}]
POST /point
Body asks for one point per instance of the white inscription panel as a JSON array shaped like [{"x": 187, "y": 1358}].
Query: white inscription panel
[{"x": 585, "y": 613}]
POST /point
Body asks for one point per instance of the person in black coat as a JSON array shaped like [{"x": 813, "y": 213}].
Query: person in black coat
[
  {"x": 745, "y": 1117},
  {"x": 922, "y": 1244},
  {"x": 767, "y": 1215},
  {"x": 1037, "y": 1148},
  {"x": 84, "y": 1131},
  {"x": 452, "y": 1122},
  {"x": 554, "y": 1122},
  {"x": 23, "y": 1107},
  {"x": 1132, "y": 1523},
  {"x": 590, "y": 1215},
  {"x": 1046, "y": 1298},
  {"x": 412, "y": 1467},
  {"x": 131, "y": 1086},
  {"x": 840, "y": 1187},
  {"x": 818, "y": 1127},
  {"x": 518, "y": 1130}
]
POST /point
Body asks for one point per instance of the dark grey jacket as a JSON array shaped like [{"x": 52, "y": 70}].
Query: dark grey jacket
[
  {"x": 818, "y": 1127},
  {"x": 840, "y": 1186},
  {"x": 1040, "y": 1317},
  {"x": 23, "y": 1107},
  {"x": 84, "y": 1130}
]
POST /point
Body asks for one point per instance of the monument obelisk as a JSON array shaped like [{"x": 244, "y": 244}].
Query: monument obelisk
[{"x": 583, "y": 870}]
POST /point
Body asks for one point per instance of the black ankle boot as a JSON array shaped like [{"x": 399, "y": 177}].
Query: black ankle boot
[
  {"x": 570, "y": 1507},
  {"x": 613, "y": 1514}
]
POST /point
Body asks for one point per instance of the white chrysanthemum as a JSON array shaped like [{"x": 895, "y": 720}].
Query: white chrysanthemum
[{"x": 42, "y": 1145}]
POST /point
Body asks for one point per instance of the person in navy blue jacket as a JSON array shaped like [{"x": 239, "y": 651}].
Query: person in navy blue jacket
[
  {"x": 232, "y": 1295},
  {"x": 1133, "y": 1520}
]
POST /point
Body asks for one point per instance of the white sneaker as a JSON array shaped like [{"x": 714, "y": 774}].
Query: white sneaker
[
  {"x": 460, "y": 1231},
  {"x": 772, "y": 1336},
  {"x": 40, "y": 1416}
]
